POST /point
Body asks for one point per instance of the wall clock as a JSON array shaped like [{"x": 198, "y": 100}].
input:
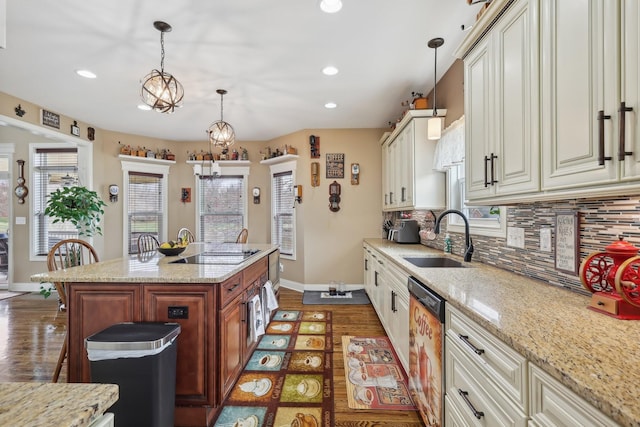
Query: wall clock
[{"x": 21, "y": 189}]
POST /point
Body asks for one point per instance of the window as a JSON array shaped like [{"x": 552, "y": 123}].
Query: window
[
  {"x": 221, "y": 208},
  {"x": 483, "y": 220},
  {"x": 53, "y": 168},
  {"x": 283, "y": 224},
  {"x": 144, "y": 212},
  {"x": 145, "y": 202}
]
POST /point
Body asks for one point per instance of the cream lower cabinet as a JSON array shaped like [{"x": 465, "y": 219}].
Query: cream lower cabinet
[
  {"x": 386, "y": 286},
  {"x": 490, "y": 384},
  {"x": 501, "y": 107},
  {"x": 486, "y": 380},
  {"x": 554, "y": 405}
]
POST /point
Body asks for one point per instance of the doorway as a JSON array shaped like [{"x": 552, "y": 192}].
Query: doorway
[{"x": 5, "y": 203}]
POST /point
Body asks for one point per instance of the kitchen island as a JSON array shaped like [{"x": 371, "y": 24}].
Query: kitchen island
[
  {"x": 210, "y": 302},
  {"x": 591, "y": 354},
  {"x": 44, "y": 404}
]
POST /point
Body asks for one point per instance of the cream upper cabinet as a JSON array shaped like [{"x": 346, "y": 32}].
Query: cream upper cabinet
[
  {"x": 590, "y": 93},
  {"x": 501, "y": 107},
  {"x": 409, "y": 181}
]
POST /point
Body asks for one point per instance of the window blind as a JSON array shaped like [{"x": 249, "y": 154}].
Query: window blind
[
  {"x": 53, "y": 168},
  {"x": 283, "y": 228},
  {"x": 144, "y": 200},
  {"x": 221, "y": 208}
]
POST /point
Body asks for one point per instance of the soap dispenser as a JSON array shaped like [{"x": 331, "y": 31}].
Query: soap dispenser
[{"x": 447, "y": 244}]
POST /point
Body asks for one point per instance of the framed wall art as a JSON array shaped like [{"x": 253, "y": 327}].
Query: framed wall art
[
  {"x": 335, "y": 165},
  {"x": 567, "y": 254}
]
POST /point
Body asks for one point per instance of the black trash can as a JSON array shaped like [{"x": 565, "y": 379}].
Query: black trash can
[{"x": 141, "y": 359}]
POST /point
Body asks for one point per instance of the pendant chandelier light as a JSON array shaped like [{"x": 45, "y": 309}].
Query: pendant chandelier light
[
  {"x": 434, "y": 125},
  {"x": 221, "y": 133},
  {"x": 161, "y": 91}
]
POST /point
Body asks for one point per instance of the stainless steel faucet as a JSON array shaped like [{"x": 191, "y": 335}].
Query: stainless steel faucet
[{"x": 467, "y": 238}]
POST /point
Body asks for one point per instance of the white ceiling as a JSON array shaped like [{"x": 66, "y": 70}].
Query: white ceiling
[{"x": 267, "y": 54}]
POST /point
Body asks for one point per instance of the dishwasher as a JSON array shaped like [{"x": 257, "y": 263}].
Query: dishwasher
[{"x": 426, "y": 352}]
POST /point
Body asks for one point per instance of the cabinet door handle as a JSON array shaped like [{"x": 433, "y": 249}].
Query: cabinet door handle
[
  {"x": 465, "y": 397},
  {"x": 366, "y": 265},
  {"x": 486, "y": 181},
  {"x": 375, "y": 279},
  {"x": 390, "y": 197},
  {"x": 243, "y": 312},
  {"x": 621, "y": 131},
  {"x": 385, "y": 199},
  {"x": 393, "y": 302},
  {"x": 493, "y": 175},
  {"x": 465, "y": 339},
  {"x": 403, "y": 195},
  {"x": 601, "y": 118}
]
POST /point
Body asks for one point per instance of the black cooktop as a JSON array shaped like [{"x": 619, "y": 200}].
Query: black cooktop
[{"x": 219, "y": 254}]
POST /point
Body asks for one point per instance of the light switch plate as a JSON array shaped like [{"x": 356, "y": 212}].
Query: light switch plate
[
  {"x": 515, "y": 237},
  {"x": 21, "y": 220},
  {"x": 545, "y": 239}
]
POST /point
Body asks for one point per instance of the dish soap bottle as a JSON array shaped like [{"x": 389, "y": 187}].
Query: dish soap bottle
[{"x": 447, "y": 244}]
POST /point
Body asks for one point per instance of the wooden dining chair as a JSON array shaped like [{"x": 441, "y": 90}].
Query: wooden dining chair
[
  {"x": 242, "y": 237},
  {"x": 186, "y": 232},
  {"x": 66, "y": 254},
  {"x": 147, "y": 243}
]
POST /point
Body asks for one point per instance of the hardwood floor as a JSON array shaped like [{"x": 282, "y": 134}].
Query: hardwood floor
[{"x": 32, "y": 331}]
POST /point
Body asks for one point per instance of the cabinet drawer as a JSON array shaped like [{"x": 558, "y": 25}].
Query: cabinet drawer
[
  {"x": 477, "y": 399},
  {"x": 255, "y": 270},
  {"x": 230, "y": 288},
  {"x": 506, "y": 367},
  {"x": 552, "y": 404}
]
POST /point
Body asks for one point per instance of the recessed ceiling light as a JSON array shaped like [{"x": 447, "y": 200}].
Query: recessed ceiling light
[
  {"x": 330, "y": 6},
  {"x": 86, "y": 74},
  {"x": 330, "y": 70},
  {"x": 330, "y": 105},
  {"x": 144, "y": 107}
]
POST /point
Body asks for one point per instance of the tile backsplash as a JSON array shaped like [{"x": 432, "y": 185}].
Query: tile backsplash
[{"x": 601, "y": 221}]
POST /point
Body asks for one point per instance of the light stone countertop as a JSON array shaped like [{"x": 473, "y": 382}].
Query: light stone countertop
[
  {"x": 155, "y": 268},
  {"x": 593, "y": 354},
  {"x": 54, "y": 405}
]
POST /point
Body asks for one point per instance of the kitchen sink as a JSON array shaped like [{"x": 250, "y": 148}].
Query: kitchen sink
[{"x": 434, "y": 262}]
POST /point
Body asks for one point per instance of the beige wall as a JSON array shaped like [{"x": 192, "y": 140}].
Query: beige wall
[
  {"x": 450, "y": 92},
  {"x": 329, "y": 244}
]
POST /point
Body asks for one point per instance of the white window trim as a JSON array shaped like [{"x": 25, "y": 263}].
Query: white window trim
[
  {"x": 242, "y": 169},
  {"x": 8, "y": 150},
  {"x": 127, "y": 167},
  {"x": 85, "y": 178},
  {"x": 455, "y": 224},
  {"x": 285, "y": 166}
]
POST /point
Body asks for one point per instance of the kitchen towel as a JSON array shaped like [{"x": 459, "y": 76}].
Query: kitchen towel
[
  {"x": 257, "y": 319},
  {"x": 272, "y": 301}
]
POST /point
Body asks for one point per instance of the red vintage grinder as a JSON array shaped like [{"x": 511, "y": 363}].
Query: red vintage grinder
[{"x": 614, "y": 279}]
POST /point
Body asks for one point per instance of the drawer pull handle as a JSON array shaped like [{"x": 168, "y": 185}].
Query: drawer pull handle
[
  {"x": 465, "y": 339},
  {"x": 476, "y": 413},
  {"x": 231, "y": 289},
  {"x": 600, "y": 303}
]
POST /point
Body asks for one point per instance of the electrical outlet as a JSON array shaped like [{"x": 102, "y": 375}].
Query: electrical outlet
[
  {"x": 545, "y": 239},
  {"x": 515, "y": 237}
]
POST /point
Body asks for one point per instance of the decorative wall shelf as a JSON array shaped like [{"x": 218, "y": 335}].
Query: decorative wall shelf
[
  {"x": 146, "y": 159},
  {"x": 220, "y": 167},
  {"x": 279, "y": 159}
]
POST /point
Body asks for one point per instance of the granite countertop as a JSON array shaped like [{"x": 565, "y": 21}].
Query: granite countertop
[
  {"x": 155, "y": 268},
  {"x": 591, "y": 353},
  {"x": 54, "y": 405}
]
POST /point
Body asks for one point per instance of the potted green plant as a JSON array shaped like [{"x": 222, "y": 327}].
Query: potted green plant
[
  {"x": 78, "y": 205},
  {"x": 81, "y": 207}
]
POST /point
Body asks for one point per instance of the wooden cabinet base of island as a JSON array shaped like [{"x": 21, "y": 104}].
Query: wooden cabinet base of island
[{"x": 213, "y": 344}]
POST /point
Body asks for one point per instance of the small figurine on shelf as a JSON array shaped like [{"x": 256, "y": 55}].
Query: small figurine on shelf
[
  {"x": 245, "y": 154},
  {"x": 124, "y": 149},
  {"x": 168, "y": 155},
  {"x": 223, "y": 155},
  {"x": 234, "y": 154}
]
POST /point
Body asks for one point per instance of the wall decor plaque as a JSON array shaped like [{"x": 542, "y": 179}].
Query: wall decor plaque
[
  {"x": 50, "y": 119},
  {"x": 567, "y": 255},
  {"x": 335, "y": 165}
]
